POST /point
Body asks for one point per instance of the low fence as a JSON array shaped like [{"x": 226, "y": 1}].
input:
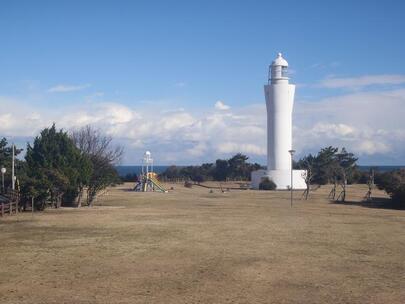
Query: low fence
[
  {"x": 182, "y": 180},
  {"x": 8, "y": 208},
  {"x": 10, "y": 203}
]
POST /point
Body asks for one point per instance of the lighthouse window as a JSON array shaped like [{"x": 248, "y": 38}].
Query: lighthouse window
[{"x": 284, "y": 72}]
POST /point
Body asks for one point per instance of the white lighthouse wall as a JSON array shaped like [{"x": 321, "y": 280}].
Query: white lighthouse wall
[
  {"x": 279, "y": 103},
  {"x": 279, "y": 94},
  {"x": 282, "y": 178},
  {"x": 299, "y": 179}
]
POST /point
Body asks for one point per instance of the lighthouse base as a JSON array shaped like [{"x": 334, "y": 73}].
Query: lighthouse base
[{"x": 282, "y": 178}]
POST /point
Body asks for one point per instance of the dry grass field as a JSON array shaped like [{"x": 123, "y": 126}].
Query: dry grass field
[{"x": 193, "y": 246}]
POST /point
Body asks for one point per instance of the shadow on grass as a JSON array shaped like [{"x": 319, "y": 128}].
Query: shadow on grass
[
  {"x": 375, "y": 202},
  {"x": 127, "y": 189}
]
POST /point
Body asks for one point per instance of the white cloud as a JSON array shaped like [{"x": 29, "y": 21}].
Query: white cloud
[
  {"x": 104, "y": 114},
  {"x": 319, "y": 65},
  {"x": 63, "y": 88},
  {"x": 371, "y": 124},
  {"x": 219, "y": 105},
  {"x": 362, "y": 81},
  {"x": 198, "y": 150},
  {"x": 233, "y": 147},
  {"x": 368, "y": 123},
  {"x": 371, "y": 147},
  {"x": 175, "y": 121},
  {"x": 332, "y": 130},
  {"x": 21, "y": 120}
]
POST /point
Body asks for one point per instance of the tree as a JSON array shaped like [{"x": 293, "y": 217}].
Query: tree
[
  {"x": 238, "y": 166},
  {"x": 206, "y": 170},
  {"x": 325, "y": 166},
  {"x": 370, "y": 184},
  {"x": 329, "y": 166},
  {"x": 308, "y": 163},
  {"x": 172, "y": 172},
  {"x": 346, "y": 163},
  {"x": 221, "y": 170},
  {"x": 103, "y": 155},
  {"x": 194, "y": 173},
  {"x": 55, "y": 168},
  {"x": 103, "y": 175}
]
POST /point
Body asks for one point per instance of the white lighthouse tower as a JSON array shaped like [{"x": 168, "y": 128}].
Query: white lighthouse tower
[{"x": 279, "y": 94}]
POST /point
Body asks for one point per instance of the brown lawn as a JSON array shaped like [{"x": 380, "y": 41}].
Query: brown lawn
[{"x": 192, "y": 246}]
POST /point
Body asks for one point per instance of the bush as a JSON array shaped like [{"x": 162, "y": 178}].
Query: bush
[
  {"x": 267, "y": 184},
  {"x": 394, "y": 184},
  {"x": 129, "y": 177},
  {"x": 188, "y": 184},
  {"x": 198, "y": 178},
  {"x": 359, "y": 177}
]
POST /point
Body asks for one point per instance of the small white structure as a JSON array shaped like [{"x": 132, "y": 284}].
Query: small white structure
[
  {"x": 279, "y": 94},
  {"x": 147, "y": 181},
  {"x": 147, "y": 163}
]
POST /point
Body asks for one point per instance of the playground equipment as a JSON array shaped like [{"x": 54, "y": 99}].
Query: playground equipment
[{"x": 148, "y": 181}]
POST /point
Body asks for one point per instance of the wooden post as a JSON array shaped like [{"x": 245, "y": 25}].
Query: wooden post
[
  {"x": 10, "y": 208},
  {"x": 2, "y": 209},
  {"x": 32, "y": 206}
]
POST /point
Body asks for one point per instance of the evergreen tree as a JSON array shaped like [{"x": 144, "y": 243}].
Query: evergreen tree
[
  {"x": 55, "y": 168},
  {"x": 221, "y": 170},
  {"x": 325, "y": 166}
]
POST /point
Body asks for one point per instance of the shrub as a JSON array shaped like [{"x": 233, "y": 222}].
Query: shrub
[
  {"x": 267, "y": 184},
  {"x": 188, "y": 184},
  {"x": 129, "y": 177},
  {"x": 394, "y": 184},
  {"x": 198, "y": 178}
]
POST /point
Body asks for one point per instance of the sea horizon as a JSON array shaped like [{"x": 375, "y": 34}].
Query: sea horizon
[{"x": 136, "y": 169}]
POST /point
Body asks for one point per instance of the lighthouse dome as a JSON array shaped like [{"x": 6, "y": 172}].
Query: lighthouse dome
[{"x": 280, "y": 61}]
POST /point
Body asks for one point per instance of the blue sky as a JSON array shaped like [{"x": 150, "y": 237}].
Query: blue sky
[{"x": 151, "y": 72}]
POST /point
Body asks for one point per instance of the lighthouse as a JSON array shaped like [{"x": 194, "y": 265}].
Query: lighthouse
[{"x": 279, "y": 95}]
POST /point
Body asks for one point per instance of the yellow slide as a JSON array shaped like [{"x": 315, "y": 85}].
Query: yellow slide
[{"x": 156, "y": 183}]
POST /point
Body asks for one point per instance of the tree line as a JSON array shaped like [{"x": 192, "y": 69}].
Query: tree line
[
  {"x": 235, "y": 168},
  {"x": 67, "y": 166},
  {"x": 330, "y": 165},
  {"x": 63, "y": 167}
]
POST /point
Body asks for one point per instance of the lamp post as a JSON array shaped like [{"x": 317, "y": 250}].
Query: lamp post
[
  {"x": 3, "y": 171},
  {"x": 291, "y": 186},
  {"x": 12, "y": 169}
]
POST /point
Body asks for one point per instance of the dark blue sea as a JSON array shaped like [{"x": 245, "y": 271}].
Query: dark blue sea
[
  {"x": 381, "y": 168},
  {"x": 124, "y": 170}
]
